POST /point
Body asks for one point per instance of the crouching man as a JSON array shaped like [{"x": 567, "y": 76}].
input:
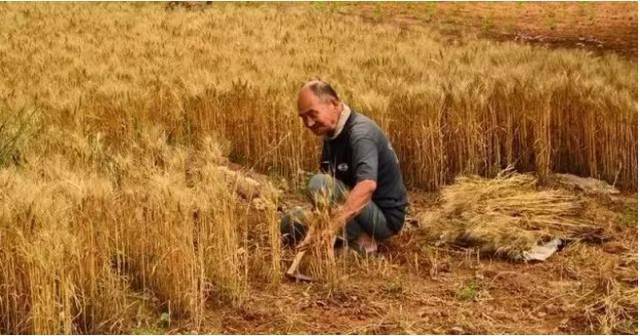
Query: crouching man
[{"x": 360, "y": 173}]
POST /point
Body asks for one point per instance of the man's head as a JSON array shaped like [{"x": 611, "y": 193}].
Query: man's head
[{"x": 319, "y": 107}]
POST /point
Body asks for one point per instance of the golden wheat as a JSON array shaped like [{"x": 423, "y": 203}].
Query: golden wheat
[
  {"x": 112, "y": 199},
  {"x": 469, "y": 108}
]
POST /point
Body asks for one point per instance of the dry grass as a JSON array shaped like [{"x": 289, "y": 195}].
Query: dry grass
[
  {"x": 322, "y": 264},
  {"x": 505, "y": 216},
  {"x": 321, "y": 261},
  {"x": 607, "y": 301},
  {"x": 116, "y": 205}
]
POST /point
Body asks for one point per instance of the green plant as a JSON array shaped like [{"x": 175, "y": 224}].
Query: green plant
[
  {"x": 468, "y": 292},
  {"x": 15, "y": 130}
]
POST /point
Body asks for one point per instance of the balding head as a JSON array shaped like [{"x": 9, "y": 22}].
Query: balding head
[
  {"x": 319, "y": 107},
  {"x": 321, "y": 89}
]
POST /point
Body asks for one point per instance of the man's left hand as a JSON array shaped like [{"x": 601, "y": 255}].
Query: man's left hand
[{"x": 329, "y": 235}]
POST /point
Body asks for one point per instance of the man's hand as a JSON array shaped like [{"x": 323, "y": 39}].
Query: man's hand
[
  {"x": 356, "y": 201},
  {"x": 331, "y": 232},
  {"x": 337, "y": 224},
  {"x": 328, "y": 238}
]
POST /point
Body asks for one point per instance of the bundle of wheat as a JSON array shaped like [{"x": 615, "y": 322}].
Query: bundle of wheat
[{"x": 507, "y": 216}]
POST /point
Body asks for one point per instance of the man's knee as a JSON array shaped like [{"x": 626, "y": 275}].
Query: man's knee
[
  {"x": 318, "y": 183},
  {"x": 325, "y": 188}
]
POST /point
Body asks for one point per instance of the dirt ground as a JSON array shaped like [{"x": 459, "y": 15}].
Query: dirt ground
[
  {"x": 599, "y": 27},
  {"x": 414, "y": 286}
]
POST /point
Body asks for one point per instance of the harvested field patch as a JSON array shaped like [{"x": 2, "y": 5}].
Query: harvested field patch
[{"x": 597, "y": 26}]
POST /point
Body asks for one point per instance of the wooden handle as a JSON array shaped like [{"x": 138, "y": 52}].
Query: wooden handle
[{"x": 293, "y": 269}]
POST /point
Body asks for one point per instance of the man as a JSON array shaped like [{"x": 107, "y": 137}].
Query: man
[{"x": 360, "y": 171}]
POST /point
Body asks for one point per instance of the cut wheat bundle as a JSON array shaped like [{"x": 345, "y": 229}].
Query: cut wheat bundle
[{"x": 508, "y": 216}]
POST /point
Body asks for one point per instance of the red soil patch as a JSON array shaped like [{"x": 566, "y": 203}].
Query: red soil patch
[{"x": 598, "y": 26}]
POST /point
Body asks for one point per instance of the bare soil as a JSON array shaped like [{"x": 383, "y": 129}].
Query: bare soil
[{"x": 597, "y": 26}]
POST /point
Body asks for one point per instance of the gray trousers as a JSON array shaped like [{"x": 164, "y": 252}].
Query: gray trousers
[{"x": 371, "y": 220}]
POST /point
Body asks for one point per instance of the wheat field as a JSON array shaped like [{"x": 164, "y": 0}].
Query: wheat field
[{"x": 116, "y": 118}]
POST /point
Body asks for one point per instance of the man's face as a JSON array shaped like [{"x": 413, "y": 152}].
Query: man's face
[{"x": 321, "y": 117}]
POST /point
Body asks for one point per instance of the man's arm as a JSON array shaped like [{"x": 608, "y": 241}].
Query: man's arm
[
  {"x": 364, "y": 162},
  {"x": 357, "y": 199}
]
